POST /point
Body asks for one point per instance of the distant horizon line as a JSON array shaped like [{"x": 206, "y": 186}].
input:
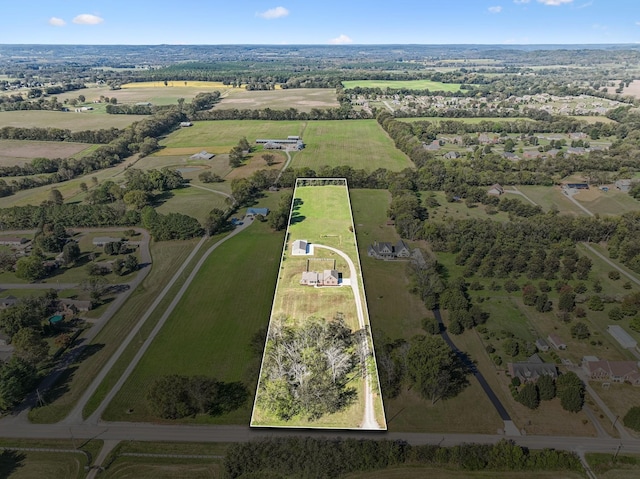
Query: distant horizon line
[{"x": 318, "y": 44}]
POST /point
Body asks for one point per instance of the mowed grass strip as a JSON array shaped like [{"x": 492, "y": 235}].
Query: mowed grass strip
[
  {"x": 210, "y": 330},
  {"x": 360, "y": 144},
  {"x": 35, "y": 464},
  {"x": 163, "y": 468},
  {"x": 409, "y": 84},
  {"x": 221, "y": 136}
]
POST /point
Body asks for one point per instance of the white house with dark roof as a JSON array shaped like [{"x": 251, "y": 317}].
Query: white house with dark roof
[{"x": 300, "y": 248}]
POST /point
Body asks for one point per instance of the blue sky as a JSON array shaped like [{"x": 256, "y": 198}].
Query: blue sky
[{"x": 319, "y": 21}]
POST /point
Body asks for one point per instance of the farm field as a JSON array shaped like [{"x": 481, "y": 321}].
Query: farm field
[
  {"x": 193, "y": 202},
  {"x": 210, "y": 330},
  {"x": 360, "y": 144},
  {"x": 302, "y": 99},
  {"x": 19, "y": 152},
  {"x": 66, "y": 120},
  {"x": 220, "y": 136},
  {"x": 320, "y": 215},
  {"x": 550, "y": 197},
  {"x": 613, "y": 202},
  {"x": 408, "y": 84}
]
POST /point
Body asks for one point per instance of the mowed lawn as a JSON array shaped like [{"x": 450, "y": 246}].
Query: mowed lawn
[
  {"x": 210, "y": 330},
  {"x": 409, "y": 84},
  {"x": 360, "y": 144},
  {"x": 35, "y": 464},
  {"x": 220, "y": 136},
  {"x": 66, "y": 120}
]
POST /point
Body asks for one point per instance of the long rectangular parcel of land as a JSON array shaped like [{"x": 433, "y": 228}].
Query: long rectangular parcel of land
[{"x": 318, "y": 367}]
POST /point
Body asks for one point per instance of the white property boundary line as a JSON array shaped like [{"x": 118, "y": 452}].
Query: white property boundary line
[{"x": 366, "y": 309}]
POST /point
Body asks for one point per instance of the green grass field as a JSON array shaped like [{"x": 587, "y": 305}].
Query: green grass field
[
  {"x": 67, "y": 120},
  {"x": 210, "y": 330},
  {"x": 549, "y": 197},
  {"x": 220, "y": 136},
  {"x": 409, "y": 84},
  {"x": 193, "y": 202},
  {"x": 361, "y": 144}
]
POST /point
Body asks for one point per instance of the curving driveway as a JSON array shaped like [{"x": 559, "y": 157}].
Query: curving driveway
[{"x": 369, "y": 419}]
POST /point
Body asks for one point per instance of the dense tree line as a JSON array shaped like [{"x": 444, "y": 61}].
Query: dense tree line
[
  {"x": 310, "y": 458},
  {"x": 341, "y": 113},
  {"x": 173, "y": 226},
  {"x": 102, "y": 136},
  {"x": 176, "y": 396},
  {"x": 68, "y": 215}
]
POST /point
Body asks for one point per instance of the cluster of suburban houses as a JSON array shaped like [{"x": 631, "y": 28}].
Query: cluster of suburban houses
[{"x": 594, "y": 368}]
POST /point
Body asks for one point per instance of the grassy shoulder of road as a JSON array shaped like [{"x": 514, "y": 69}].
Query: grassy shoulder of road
[
  {"x": 163, "y": 468},
  {"x": 167, "y": 257},
  {"x": 210, "y": 330},
  {"x": 360, "y": 144},
  {"x": 608, "y": 466},
  {"x": 36, "y": 464},
  {"x": 420, "y": 472}
]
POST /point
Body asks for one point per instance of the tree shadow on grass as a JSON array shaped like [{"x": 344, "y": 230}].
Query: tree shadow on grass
[
  {"x": 10, "y": 462},
  {"x": 231, "y": 396}
]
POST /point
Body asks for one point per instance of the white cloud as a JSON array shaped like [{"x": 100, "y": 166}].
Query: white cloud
[
  {"x": 497, "y": 9},
  {"x": 520, "y": 1},
  {"x": 88, "y": 19},
  {"x": 554, "y": 3},
  {"x": 57, "y": 22},
  {"x": 273, "y": 13},
  {"x": 341, "y": 40}
]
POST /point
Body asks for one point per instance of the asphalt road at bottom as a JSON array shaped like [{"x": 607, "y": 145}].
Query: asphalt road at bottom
[{"x": 504, "y": 415}]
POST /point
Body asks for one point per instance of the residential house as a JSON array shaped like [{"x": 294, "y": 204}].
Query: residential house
[
  {"x": 614, "y": 371},
  {"x": 381, "y": 250},
  {"x": 496, "y": 190},
  {"x": 532, "y": 154},
  {"x": 74, "y": 304},
  {"x": 542, "y": 345},
  {"x": 532, "y": 369},
  {"x": 577, "y": 136},
  {"x": 12, "y": 241},
  {"x": 624, "y": 185},
  {"x": 510, "y": 156},
  {"x": 329, "y": 277},
  {"x": 185, "y": 124},
  {"x": 433, "y": 146},
  {"x": 103, "y": 240},
  {"x": 452, "y": 155},
  {"x": 253, "y": 212},
  {"x": 576, "y": 186},
  {"x": 578, "y": 150},
  {"x": 402, "y": 250},
  {"x": 556, "y": 341},
  {"x": 8, "y": 301}
]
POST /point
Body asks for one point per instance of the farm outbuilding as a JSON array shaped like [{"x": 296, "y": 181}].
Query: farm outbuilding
[
  {"x": 300, "y": 248},
  {"x": 623, "y": 338},
  {"x": 203, "y": 155}
]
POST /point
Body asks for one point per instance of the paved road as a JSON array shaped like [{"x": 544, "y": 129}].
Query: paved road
[
  {"x": 369, "y": 420},
  {"x": 611, "y": 263},
  {"x": 578, "y": 204},
  {"x": 510, "y": 428}
]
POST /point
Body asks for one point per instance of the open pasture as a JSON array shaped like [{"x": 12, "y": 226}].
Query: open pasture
[
  {"x": 220, "y": 136},
  {"x": 360, "y": 144},
  {"x": 18, "y": 152},
  {"x": 193, "y": 202},
  {"x": 408, "y": 84},
  {"x": 302, "y": 99},
  {"x": 69, "y": 120},
  {"x": 613, "y": 202},
  {"x": 210, "y": 330}
]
